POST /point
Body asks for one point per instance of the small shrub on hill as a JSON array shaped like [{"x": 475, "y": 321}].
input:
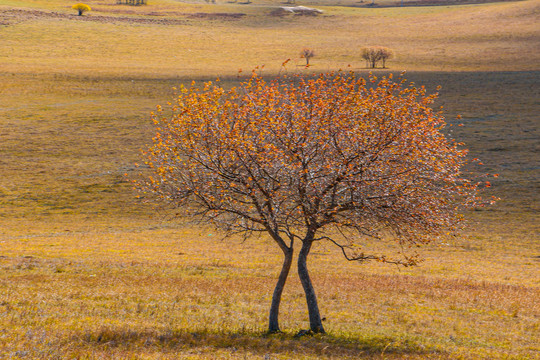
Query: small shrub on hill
[{"x": 81, "y": 8}]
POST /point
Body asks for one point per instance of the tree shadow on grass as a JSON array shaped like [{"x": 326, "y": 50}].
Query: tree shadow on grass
[{"x": 329, "y": 345}]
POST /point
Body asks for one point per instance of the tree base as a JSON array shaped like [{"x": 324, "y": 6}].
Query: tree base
[{"x": 302, "y": 333}]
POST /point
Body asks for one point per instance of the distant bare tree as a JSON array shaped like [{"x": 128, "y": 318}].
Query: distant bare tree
[
  {"x": 369, "y": 54},
  {"x": 374, "y": 54},
  {"x": 385, "y": 54},
  {"x": 307, "y": 54}
]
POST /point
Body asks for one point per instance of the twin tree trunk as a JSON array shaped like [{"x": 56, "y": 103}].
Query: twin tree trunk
[
  {"x": 315, "y": 322},
  {"x": 273, "y": 325}
]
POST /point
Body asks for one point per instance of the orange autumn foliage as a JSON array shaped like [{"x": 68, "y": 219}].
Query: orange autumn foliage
[{"x": 319, "y": 153}]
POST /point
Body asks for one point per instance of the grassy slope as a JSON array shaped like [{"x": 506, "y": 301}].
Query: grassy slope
[
  {"x": 87, "y": 271},
  {"x": 432, "y": 38}
]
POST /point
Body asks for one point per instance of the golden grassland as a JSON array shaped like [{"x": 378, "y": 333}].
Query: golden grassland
[
  {"x": 173, "y": 43},
  {"x": 88, "y": 271},
  {"x": 149, "y": 289}
]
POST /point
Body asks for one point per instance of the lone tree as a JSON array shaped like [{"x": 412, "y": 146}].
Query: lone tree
[
  {"x": 81, "y": 8},
  {"x": 374, "y": 54},
  {"x": 307, "y": 54},
  {"x": 304, "y": 160},
  {"x": 385, "y": 54}
]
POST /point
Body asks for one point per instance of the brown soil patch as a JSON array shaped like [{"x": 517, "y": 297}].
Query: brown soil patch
[
  {"x": 369, "y": 4},
  {"x": 7, "y": 18},
  {"x": 448, "y": 2},
  {"x": 216, "y": 16},
  {"x": 12, "y": 16}
]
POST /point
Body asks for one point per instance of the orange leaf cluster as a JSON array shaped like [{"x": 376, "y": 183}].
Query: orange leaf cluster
[{"x": 306, "y": 156}]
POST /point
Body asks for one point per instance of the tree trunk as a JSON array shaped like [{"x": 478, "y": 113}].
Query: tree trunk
[
  {"x": 80, "y": 12},
  {"x": 315, "y": 322},
  {"x": 273, "y": 323}
]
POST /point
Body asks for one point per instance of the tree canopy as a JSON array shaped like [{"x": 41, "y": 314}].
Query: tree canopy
[
  {"x": 333, "y": 158},
  {"x": 81, "y": 8}
]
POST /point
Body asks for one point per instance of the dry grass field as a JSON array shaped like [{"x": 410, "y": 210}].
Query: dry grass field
[
  {"x": 174, "y": 39},
  {"x": 88, "y": 271}
]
